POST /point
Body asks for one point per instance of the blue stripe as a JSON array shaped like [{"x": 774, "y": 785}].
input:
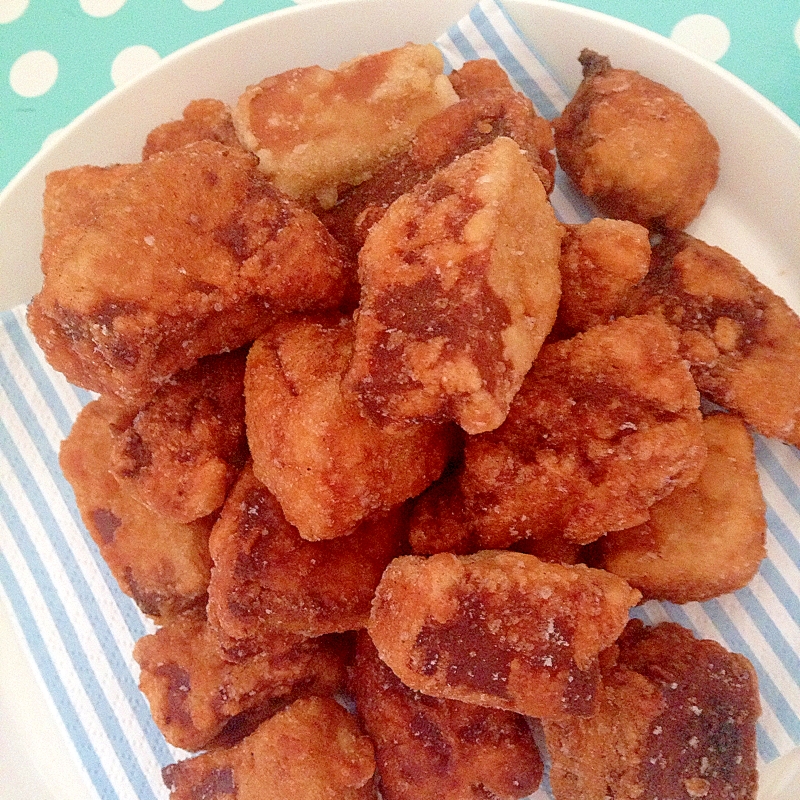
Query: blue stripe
[
  {"x": 543, "y": 103},
  {"x": 777, "y": 473},
  {"x": 462, "y": 44},
  {"x": 52, "y": 679},
  {"x": 784, "y": 535},
  {"x": 68, "y": 635},
  {"x": 50, "y": 460}
]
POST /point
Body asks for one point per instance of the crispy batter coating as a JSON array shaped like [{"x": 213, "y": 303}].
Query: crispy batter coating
[
  {"x": 315, "y": 130},
  {"x": 191, "y": 253},
  {"x": 704, "y": 539},
  {"x": 202, "y": 120},
  {"x": 460, "y": 286},
  {"x": 741, "y": 340},
  {"x": 468, "y": 125},
  {"x": 635, "y": 147},
  {"x": 677, "y": 718},
  {"x": 162, "y": 564},
  {"x": 183, "y": 449},
  {"x": 477, "y": 76},
  {"x": 601, "y": 261},
  {"x": 267, "y": 578},
  {"x": 311, "y": 750},
  {"x": 499, "y": 629},
  {"x": 328, "y": 466},
  {"x": 429, "y": 748},
  {"x": 195, "y": 693}
]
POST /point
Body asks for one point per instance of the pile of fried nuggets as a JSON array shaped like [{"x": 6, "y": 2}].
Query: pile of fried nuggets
[{"x": 373, "y": 424}]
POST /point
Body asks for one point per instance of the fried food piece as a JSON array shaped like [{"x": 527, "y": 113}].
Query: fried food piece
[
  {"x": 192, "y": 253},
  {"x": 194, "y": 693},
  {"x": 677, "y": 718},
  {"x": 477, "y": 76},
  {"x": 470, "y": 124},
  {"x": 267, "y": 578},
  {"x": 183, "y": 449},
  {"x": 162, "y": 564},
  {"x": 460, "y": 286},
  {"x": 704, "y": 539},
  {"x": 601, "y": 261},
  {"x": 499, "y": 629},
  {"x": 428, "y": 748},
  {"x": 202, "y": 120},
  {"x": 635, "y": 147},
  {"x": 311, "y": 750},
  {"x": 315, "y": 130},
  {"x": 741, "y": 340},
  {"x": 328, "y": 466}
]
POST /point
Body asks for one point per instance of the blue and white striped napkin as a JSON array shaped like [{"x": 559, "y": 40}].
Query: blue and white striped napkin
[{"x": 80, "y": 629}]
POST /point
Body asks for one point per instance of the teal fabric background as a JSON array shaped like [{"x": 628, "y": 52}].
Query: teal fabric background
[{"x": 83, "y": 38}]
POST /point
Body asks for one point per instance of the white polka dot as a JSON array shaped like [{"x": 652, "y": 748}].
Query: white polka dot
[
  {"x": 132, "y": 61},
  {"x": 12, "y": 9},
  {"x": 202, "y": 5},
  {"x": 101, "y": 8},
  {"x": 33, "y": 73},
  {"x": 703, "y": 34}
]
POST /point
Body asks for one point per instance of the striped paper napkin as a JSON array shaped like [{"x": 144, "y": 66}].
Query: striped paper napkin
[{"x": 80, "y": 630}]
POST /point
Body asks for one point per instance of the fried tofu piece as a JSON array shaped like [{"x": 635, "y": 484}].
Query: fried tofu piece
[
  {"x": 499, "y": 629},
  {"x": 429, "y": 748},
  {"x": 315, "y": 130},
  {"x": 704, "y": 539},
  {"x": 311, "y": 750},
  {"x": 162, "y": 564},
  {"x": 606, "y": 424},
  {"x": 192, "y": 253},
  {"x": 203, "y": 120},
  {"x": 635, "y": 147},
  {"x": 677, "y": 718},
  {"x": 183, "y": 449},
  {"x": 460, "y": 286},
  {"x": 195, "y": 693},
  {"x": 329, "y": 467},
  {"x": 601, "y": 261},
  {"x": 470, "y": 124},
  {"x": 267, "y": 578},
  {"x": 741, "y": 340}
]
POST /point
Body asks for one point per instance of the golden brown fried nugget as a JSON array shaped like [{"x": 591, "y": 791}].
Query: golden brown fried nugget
[
  {"x": 741, "y": 340},
  {"x": 460, "y": 286},
  {"x": 192, "y": 253},
  {"x": 676, "y": 718},
  {"x": 606, "y": 424},
  {"x": 202, "y": 120},
  {"x": 194, "y": 693},
  {"x": 635, "y": 147},
  {"x": 428, "y": 748},
  {"x": 311, "y": 750},
  {"x": 315, "y": 130},
  {"x": 267, "y": 578},
  {"x": 601, "y": 261},
  {"x": 468, "y": 125},
  {"x": 704, "y": 539},
  {"x": 328, "y": 466},
  {"x": 477, "y": 76},
  {"x": 183, "y": 449},
  {"x": 499, "y": 629},
  {"x": 162, "y": 564}
]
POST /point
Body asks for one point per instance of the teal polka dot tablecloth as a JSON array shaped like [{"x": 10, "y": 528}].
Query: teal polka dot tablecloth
[{"x": 58, "y": 56}]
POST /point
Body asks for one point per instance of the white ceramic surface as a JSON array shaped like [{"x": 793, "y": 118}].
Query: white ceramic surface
[{"x": 754, "y": 213}]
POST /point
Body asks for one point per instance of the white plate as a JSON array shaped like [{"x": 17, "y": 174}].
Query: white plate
[{"x": 753, "y": 213}]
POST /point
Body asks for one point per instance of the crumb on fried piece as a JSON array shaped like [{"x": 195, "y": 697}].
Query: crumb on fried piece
[
  {"x": 499, "y": 629},
  {"x": 430, "y": 748},
  {"x": 328, "y": 466},
  {"x": 310, "y": 750},
  {"x": 460, "y": 286},
  {"x": 162, "y": 564},
  {"x": 635, "y": 147},
  {"x": 315, "y": 130}
]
